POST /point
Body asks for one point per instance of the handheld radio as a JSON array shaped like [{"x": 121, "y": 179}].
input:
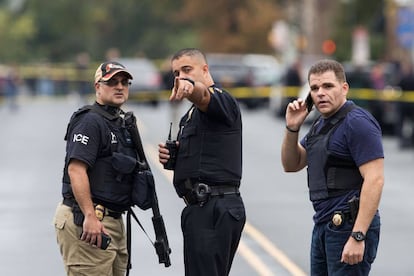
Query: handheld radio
[{"x": 172, "y": 148}]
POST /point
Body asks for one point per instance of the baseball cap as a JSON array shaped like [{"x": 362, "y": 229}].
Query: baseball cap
[{"x": 108, "y": 69}]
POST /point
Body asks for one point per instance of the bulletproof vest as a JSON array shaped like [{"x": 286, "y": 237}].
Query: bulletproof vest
[
  {"x": 329, "y": 175},
  {"x": 208, "y": 152},
  {"x": 111, "y": 176}
]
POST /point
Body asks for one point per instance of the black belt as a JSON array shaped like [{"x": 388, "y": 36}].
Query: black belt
[
  {"x": 223, "y": 190},
  {"x": 114, "y": 214},
  {"x": 201, "y": 192}
]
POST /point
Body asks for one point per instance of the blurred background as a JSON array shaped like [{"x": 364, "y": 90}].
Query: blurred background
[
  {"x": 52, "y": 48},
  {"x": 259, "y": 50}
]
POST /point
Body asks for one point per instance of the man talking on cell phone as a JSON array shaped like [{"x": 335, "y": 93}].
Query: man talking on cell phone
[{"x": 344, "y": 157}]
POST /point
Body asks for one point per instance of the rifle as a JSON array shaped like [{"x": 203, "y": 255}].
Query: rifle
[
  {"x": 161, "y": 244},
  {"x": 161, "y": 241}
]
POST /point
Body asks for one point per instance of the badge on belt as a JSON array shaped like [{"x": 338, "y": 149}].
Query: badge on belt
[
  {"x": 337, "y": 218},
  {"x": 99, "y": 212}
]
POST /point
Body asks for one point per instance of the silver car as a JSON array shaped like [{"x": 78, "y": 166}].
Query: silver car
[{"x": 147, "y": 83}]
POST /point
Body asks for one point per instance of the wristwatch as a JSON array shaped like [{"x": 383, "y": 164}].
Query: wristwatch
[{"x": 358, "y": 236}]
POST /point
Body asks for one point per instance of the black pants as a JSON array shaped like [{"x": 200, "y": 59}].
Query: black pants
[{"x": 211, "y": 235}]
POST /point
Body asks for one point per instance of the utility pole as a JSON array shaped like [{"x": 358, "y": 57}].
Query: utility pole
[{"x": 317, "y": 23}]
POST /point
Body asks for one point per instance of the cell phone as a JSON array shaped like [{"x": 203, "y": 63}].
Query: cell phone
[
  {"x": 106, "y": 240},
  {"x": 309, "y": 102}
]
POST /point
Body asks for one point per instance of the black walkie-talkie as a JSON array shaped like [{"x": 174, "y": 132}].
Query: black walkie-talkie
[{"x": 172, "y": 148}]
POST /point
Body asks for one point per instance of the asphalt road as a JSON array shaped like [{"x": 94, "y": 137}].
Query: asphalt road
[{"x": 276, "y": 237}]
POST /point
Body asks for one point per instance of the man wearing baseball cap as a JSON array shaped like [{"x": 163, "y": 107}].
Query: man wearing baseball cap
[{"x": 88, "y": 222}]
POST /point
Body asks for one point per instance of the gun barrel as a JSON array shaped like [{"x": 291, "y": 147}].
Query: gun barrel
[{"x": 161, "y": 244}]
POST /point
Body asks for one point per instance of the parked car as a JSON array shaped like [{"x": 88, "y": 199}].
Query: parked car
[
  {"x": 243, "y": 75},
  {"x": 147, "y": 83}
]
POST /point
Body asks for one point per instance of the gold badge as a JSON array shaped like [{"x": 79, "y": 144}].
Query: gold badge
[
  {"x": 99, "y": 212},
  {"x": 337, "y": 219}
]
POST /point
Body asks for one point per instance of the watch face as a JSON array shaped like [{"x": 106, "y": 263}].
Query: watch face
[{"x": 359, "y": 236}]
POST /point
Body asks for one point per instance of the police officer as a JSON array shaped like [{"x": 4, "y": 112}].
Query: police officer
[
  {"x": 208, "y": 167},
  {"x": 344, "y": 156},
  {"x": 95, "y": 194}
]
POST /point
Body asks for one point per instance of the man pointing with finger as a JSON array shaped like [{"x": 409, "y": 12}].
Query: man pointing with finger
[{"x": 208, "y": 167}]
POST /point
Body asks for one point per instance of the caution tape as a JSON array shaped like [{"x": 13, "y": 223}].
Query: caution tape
[
  {"x": 67, "y": 72},
  {"x": 288, "y": 92},
  {"x": 388, "y": 94},
  {"x": 62, "y": 72}
]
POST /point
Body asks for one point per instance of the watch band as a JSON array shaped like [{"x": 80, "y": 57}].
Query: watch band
[{"x": 358, "y": 236}]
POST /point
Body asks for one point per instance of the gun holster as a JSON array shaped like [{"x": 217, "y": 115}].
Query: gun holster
[
  {"x": 202, "y": 192},
  {"x": 353, "y": 204},
  {"x": 78, "y": 216}
]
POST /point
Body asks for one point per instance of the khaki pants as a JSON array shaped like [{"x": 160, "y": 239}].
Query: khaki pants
[{"x": 82, "y": 259}]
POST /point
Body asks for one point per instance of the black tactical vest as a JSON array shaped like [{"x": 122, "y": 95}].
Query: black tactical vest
[
  {"x": 209, "y": 152},
  {"x": 109, "y": 186},
  {"x": 329, "y": 175}
]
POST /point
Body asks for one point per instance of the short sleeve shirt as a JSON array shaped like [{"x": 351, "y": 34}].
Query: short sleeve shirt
[
  {"x": 89, "y": 139},
  {"x": 358, "y": 137},
  {"x": 211, "y": 142}
]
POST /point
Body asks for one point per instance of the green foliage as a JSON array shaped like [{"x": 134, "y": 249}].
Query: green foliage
[
  {"x": 15, "y": 32},
  {"x": 57, "y": 30},
  {"x": 67, "y": 27},
  {"x": 352, "y": 14}
]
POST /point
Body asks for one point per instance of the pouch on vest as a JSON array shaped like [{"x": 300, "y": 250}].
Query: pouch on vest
[
  {"x": 143, "y": 187},
  {"x": 123, "y": 164}
]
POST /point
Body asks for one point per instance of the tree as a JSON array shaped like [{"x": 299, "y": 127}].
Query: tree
[
  {"x": 233, "y": 25},
  {"x": 58, "y": 30},
  {"x": 350, "y": 14},
  {"x": 15, "y": 32}
]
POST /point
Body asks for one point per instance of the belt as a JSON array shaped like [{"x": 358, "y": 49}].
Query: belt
[
  {"x": 110, "y": 213},
  {"x": 201, "y": 192},
  {"x": 223, "y": 190},
  {"x": 341, "y": 217}
]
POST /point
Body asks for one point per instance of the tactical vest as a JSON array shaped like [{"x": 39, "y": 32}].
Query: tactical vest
[
  {"x": 208, "y": 152},
  {"x": 328, "y": 174},
  {"x": 110, "y": 178}
]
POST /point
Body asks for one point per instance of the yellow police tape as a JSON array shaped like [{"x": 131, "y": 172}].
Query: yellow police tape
[
  {"x": 68, "y": 73},
  {"x": 391, "y": 95}
]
